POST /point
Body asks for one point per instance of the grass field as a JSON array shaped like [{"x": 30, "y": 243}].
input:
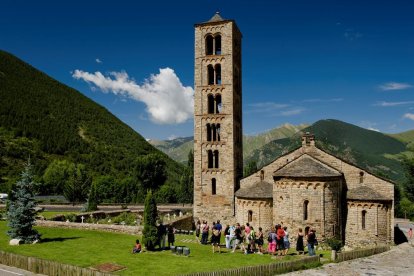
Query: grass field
[{"x": 89, "y": 248}]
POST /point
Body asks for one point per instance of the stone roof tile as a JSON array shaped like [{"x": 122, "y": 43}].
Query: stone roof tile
[
  {"x": 365, "y": 193},
  {"x": 260, "y": 189}
]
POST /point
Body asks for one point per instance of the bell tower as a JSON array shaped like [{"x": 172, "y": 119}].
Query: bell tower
[{"x": 218, "y": 150}]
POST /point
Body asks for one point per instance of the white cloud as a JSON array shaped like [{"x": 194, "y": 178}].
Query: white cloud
[
  {"x": 98, "y": 60},
  {"x": 172, "y": 137},
  {"x": 292, "y": 112},
  {"x": 167, "y": 100},
  {"x": 265, "y": 107},
  {"x": 323, "y": 100},
  {"x": 351, "y": 35},
  {"x": 409, "y": 116},
  {"x": 394, "y": 86},
  {"x": 387, "y": 104}
]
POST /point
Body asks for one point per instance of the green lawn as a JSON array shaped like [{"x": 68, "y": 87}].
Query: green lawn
[{"x": 88, "y": 248}]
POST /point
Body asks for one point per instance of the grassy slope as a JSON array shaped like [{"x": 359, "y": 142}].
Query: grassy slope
[
  {"x": 89, "y": 248},
  {"x": 46, "y": 119}
]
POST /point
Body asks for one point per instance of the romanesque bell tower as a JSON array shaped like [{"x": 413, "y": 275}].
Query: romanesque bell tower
[{"x": 218, "y": 151}]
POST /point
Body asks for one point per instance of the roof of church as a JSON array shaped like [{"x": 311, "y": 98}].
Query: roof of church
[
  {"x": 260, "y": 189},
  {"x": 216, "y": 17},
  {"x": 306, "y": 166},
  {"x": 364, "y": 192}
]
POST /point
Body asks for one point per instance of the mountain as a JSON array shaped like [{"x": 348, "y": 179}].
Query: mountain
[
  {"x": 179, "y": 148},
  {"x": 371, "y": 150},
  {"x": 46, "y": 120},
  {"x": 405, "y": 137}
]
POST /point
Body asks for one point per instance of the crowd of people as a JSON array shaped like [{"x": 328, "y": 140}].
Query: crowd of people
[{"x": 248, "y": 240}]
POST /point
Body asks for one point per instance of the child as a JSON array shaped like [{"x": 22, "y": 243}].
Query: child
[{"x": 137, "y": 247}]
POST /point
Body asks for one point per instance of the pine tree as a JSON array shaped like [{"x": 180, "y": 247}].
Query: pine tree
[
  {"x": 150, "y": 233},
  {"x": 21, "y": 212},
  {"x": 92, "y": 199}
]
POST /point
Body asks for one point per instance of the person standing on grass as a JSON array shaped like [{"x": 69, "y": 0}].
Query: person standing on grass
[
  {"x": 271, "y": 239},
  {"x": 280, "y": 233},
  {"x": 286, "y": 242},
  {"x": 239, "y": 234},
  {"x": 198, "y": 230},
  {"x": 299, "y": 242},
  {"x": 410, "y": 233},
  {"x": 215, "y": 239},
  {"x": 311, "y": 242},
  {"x": 251, "y": 247},
  {"x": 260, "y": 241},
  {"x": 204, "y": 233},
  {"x": 219, "y": 228},
  {"x": 171, "y": 236}
]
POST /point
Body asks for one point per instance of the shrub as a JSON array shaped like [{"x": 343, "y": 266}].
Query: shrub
[{"x": 335, "y": 244}]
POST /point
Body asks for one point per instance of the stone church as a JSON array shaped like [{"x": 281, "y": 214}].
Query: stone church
[{"x": 305, "y": 188}]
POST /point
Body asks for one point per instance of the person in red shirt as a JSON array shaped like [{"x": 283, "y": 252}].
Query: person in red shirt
[
  {"x": 280, "y": 233},
  {"x": 137, "y": 247}
]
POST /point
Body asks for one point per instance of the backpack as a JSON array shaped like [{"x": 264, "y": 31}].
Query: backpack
[{"x": 269, "y": 237}]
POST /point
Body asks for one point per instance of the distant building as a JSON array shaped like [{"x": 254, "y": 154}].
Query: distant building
[{"x": 304, "y": 188}]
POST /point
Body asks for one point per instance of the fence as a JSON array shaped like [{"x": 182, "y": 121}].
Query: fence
[
  {"x": 359, "y": 253},
  {"x": 46, "y": 267},
  {"x": 266, "y": 270}
]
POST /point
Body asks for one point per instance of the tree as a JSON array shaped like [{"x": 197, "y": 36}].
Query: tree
[
  {"x": 151, "y": 171},
  {"x": 250, "y": 168},
  {"x": 21, "y": 212},
  {"x": 77, "y": 186},
  {"x": 150, "y": 233},
  {"x": 187, "y": 181},
  {"x": 93, "y": 199},
  {"x": 56, "y": 175},
  {"x": 409, "y": 183}
]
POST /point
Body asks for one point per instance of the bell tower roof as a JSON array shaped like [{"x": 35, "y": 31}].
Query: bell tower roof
[{"x": 216, "y": 17}]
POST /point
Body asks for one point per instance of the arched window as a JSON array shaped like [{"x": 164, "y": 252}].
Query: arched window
[
  {"x": 216, "y": 159},
  {"x": 213, "y": 129},
  {"x": 218, "y": 104},
  {"x": 361, "y": 177},
  {"x": 209, "y": 45},
  {"x": 213, "y": 186},
  {"x": 208, "y": 132},
  {"x": 305, "y": 210},
  {"x": 218, "y": 132},
  {"x": 363, "y": 218},
  {"x": 210, "y": 159},
  {"x": 249, "y": 216},
  {"x": 210, "y": 74},
  {"x": 217, "y": 40},
  {"x": 217, "y": 70},
  {"x": 210, "y": 104}
]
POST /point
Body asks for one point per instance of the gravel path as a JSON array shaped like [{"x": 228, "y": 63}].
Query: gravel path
[{"x": 398, "y": 261}]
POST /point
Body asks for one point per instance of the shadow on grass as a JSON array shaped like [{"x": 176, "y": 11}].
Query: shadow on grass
[{"x": 58, "y": 239}]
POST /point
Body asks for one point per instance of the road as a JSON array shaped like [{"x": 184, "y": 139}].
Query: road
[{"x": 12, "y": 271}]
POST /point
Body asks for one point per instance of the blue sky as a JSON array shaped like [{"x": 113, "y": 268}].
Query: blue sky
[{"x": 302, "y": 60}]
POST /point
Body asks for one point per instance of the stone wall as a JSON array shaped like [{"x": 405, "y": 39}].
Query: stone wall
[
  {"x": 262, "y": 212},
  {"x": 323, "y": 201},
  {"x": 377, "y": 228}
]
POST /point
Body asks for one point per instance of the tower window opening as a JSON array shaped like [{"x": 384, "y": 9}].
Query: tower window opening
[
  {"x": 218, "y": 104},
  {"x": 218, "y": 132},
  {"x": 216, "y": 159},
  {"x": 363, "y": 218},
  {"x": 305, "y": 210},
  {"x": 210, "y": 159},
  {"x": 209, "y": 45},
  {"x": 213, "y": 186},
  {"x": 210, "y": 99},
  {"x": 217, "y": 40},
  {"x": 210, "y": 74},
  {"x": 213, "y": 129},
  {"x": 208, "y": 132},
  {"x": 250, "y": 216},
  {"x": 217, "y": 70}
]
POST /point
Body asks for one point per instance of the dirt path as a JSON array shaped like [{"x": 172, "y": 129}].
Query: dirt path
[{"x": 398, "y": 261}]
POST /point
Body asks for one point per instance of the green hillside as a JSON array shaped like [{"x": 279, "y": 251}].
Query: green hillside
[
  {"x": 368, "y": 149},
  {"x": 48, "y": 121},
  {"x": 177, "y": 149}
]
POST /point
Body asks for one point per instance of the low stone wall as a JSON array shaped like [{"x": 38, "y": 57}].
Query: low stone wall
[
  {"x": 184, "y": 223},
  {"x": 359, "y": 253},
  {"x": 133, "y": 230}
]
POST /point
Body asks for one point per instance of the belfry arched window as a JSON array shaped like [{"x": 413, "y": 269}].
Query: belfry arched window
[
  {"x": 217, "y": 40},
  {"x": 208, "y": 132},
  {"x": 305, "y": 210},
  {"x": 210, "y": 74},
  {"x": 211, "y": 104},
  {"x": 213, "y": 186},
  {"x": 209, "y": 45},
  {"x": 218, "y": 104},
  {"x": 217, "y": 70},
  {"x": 210, "y": 158},
  {"x": 216, "y": 159},
  {"x": 213, "y": 132}
]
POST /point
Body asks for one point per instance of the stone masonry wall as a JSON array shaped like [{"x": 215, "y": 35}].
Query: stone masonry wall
[{"x": 262, "y": 212}]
